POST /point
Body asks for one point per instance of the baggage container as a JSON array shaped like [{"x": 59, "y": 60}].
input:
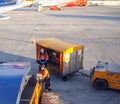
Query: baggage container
[{"x": 69, "y": 56}]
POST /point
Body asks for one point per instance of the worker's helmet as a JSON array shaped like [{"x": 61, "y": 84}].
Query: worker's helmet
[
  {"x": 42, "y": 50},
  {"x": 42, "y": 67}
]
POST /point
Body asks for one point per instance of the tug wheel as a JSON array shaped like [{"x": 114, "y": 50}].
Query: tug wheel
[{"x": 100, "y": 84}]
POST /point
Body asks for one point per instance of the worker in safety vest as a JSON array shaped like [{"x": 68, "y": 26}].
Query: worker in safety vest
[
  {"x": 45, "y": 77},
  {"x": 43, "y": 60}
]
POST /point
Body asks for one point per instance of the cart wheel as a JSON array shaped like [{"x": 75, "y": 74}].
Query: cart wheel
[
  {"x": 100, "y": 84},
  {"x": 65, "y": 78}
]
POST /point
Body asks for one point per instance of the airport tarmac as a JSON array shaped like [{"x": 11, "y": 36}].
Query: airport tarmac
[{"x": 97, "y": 28}]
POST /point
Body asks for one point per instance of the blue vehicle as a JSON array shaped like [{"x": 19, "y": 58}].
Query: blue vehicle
[
  {"x": 8, "y": 5},
  {"x": 12, "y": 81},
  {"x": 7, "y": 2}
]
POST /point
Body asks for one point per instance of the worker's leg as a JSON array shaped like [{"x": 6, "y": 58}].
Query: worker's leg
[
  {"x": 46, "y": 85},
  {"x": 49, "y": 85}
]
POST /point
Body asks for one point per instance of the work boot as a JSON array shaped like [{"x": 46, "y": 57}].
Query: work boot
[
  {"x": 46, "y": 90},
  {"x": 49, "y": 88}
]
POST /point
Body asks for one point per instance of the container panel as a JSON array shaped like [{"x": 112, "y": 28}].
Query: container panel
[
  {"x": 66, "y": 69},
  {"x": 79, "y": 65},
  {"x": 73, "y": 55},
  {"x": 73, "y": 62},
  {"x": 79, "y": 59}
]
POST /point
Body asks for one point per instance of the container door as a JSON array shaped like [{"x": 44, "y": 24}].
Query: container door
[
  {"x": 73, "y": 62},
  {"x": 79, "y": 59},
  {"x": 66, "y": 69},
  {"x": 69, "y": 63}
]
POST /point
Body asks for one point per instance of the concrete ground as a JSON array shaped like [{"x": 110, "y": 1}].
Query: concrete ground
[{"x": 97, "y": 28}]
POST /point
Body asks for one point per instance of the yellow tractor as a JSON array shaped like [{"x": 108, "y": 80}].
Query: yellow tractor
[{"x": 105, "y": 75}]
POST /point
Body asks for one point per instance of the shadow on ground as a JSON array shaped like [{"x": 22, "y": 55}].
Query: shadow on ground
[
  {"x": 8, "y": 57},
  {"x": 15, "y": 40},
  {"x": 108, "y": 18}
]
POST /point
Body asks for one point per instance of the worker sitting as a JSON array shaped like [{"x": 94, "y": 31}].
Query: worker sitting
[{"x": 45, "y": 78}]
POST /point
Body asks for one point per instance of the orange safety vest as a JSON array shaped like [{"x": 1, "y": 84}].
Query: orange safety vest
[
  {"x": 43, "y": 56},
  {"x": 45, "y": 74}
]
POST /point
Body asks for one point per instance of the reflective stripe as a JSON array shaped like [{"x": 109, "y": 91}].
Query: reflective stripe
[{"x": 43, "y": 62}]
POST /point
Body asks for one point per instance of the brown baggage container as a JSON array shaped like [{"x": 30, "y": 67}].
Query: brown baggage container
[{"x": 70, "y": 55}]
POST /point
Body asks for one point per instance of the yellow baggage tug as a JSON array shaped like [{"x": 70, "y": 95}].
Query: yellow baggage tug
[
  {"x": 105, "y": 75},
  {"x": 70, "y": 55}
]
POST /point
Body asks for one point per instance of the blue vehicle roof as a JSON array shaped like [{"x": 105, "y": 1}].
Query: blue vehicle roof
[{"x": 11, "y": 77}]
